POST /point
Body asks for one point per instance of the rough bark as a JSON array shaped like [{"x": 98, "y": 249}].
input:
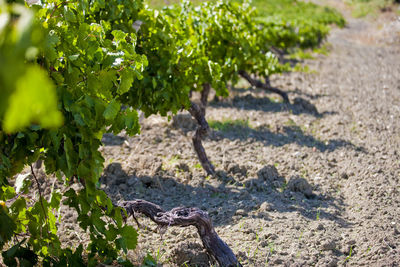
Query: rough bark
[
  {"x": 201, "y": 132},
  {"x": 265, "y": 86},
  {"x": 181, "y": 216},
  {"x": 204, "y": 97}
]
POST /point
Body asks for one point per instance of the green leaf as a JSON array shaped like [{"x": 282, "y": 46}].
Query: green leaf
[
  {"x": 84, "y": 171},
  {"x": 111, "y": 232},
  {"x": 127, "y": 78},
  {"x": 34, "y": 101},
  {"x": 129, "y": 235},
  {"x": 72, "y": 157},
  {"x": 25, "y": 256},
  {"x": 55, "y": 200},
  {"x": 112, "y": 110},
  {"x": 119, "y": 35},
  {"x": 69, "y": 15},
  {"x": 132, "y": 122},
  {"x": 8, "y": 192},
  {"x": 7, "y": 227},
  {"x": 98, "y": 222},
  {"x": 149, "y": 261},
  {"x": 51, "y": 42}
]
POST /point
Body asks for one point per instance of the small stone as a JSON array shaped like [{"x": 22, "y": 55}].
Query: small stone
[
  {"x": 237, "y": 169},
  {"x": 396, "y": 231},
  {"x": 268, "y": 173},
  {"x": 344, "y": 175},
  {"x": 265, "y": 207},
  {"x": 271, "y": 236},
  {"x": 278, "y": 261},
  {"x": 240, "y": 212},
  {"x": 351, "y": 242},
  {"x": 299, "y": 184},
  {"x": 329, "y": 262},
  {"x": 264, "y": 243},
  {"x": 126, "y": 144},
  {"x": 328, "y": 245},
  {"x": 252, "y": 237},
  {"x": 320, "y": 227},
  {"x": 248, "y": 231}
]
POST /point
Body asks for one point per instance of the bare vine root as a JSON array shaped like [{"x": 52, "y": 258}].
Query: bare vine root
[
  {"x": 181, "y": 216},
  {"x": 266, "y": 86},
  {"x": 201, "y": 132}
]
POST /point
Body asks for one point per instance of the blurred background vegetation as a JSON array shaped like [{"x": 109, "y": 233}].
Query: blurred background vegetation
[{"x": 360, "y": 8}]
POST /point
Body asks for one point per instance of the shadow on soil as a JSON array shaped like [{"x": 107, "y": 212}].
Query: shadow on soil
[
  {"x": 283, "y": 135},
  {"x": 110, "y": 139},
  {"x": 227, "y": 197},
  {"x": 247, "y": 101}
]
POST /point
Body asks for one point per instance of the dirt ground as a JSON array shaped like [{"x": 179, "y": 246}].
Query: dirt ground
[{"x": 313, "y": 183}]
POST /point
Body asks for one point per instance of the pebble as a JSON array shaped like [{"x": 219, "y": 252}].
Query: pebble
[
  {"x": 328, "y": 245},
  {"x": 265, "y": 207},
  {"x": 252, "y": 237},
  {"x": 351, "y": 242},
  {"x": 396, "y": 231},
  {"x": 299, "y": 184},
  {"x": 320, "y": 227},
  {"x": 240, "y": 212},
  {"x": 328, "y": 262}
]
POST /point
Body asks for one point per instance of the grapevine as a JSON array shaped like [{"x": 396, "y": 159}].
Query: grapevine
[{"x": 75, "y": 70}]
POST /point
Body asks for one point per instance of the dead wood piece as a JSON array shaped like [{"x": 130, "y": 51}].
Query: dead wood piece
[
  {"x": 181, "y": 216},
  {"x": 201, "y": 132},
  {"x": 258, "y": 84}
]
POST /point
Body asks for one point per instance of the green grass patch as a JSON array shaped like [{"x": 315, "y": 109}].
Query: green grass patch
[
  {"x": 228, "y": 125},
  {"x": 362, "y": 8},
  {"x": 298, "y": 10},
  {"x": 198, "y": 166}
]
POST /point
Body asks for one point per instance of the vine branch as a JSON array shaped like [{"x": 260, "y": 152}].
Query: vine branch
[
  {"x": 182, "y": 216},
  {"x": 259, "y": 84},
  {"x": 40, "y": 192}
]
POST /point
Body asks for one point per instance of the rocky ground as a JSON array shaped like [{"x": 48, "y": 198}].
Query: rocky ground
[{"x": 313, "y": 183}]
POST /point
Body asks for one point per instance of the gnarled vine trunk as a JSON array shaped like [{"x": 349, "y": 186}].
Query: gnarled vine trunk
[
  {"x": 181, "y": 216},
  {"x": 201, "y": 132},
  {"x": 204, "y": 97}
]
